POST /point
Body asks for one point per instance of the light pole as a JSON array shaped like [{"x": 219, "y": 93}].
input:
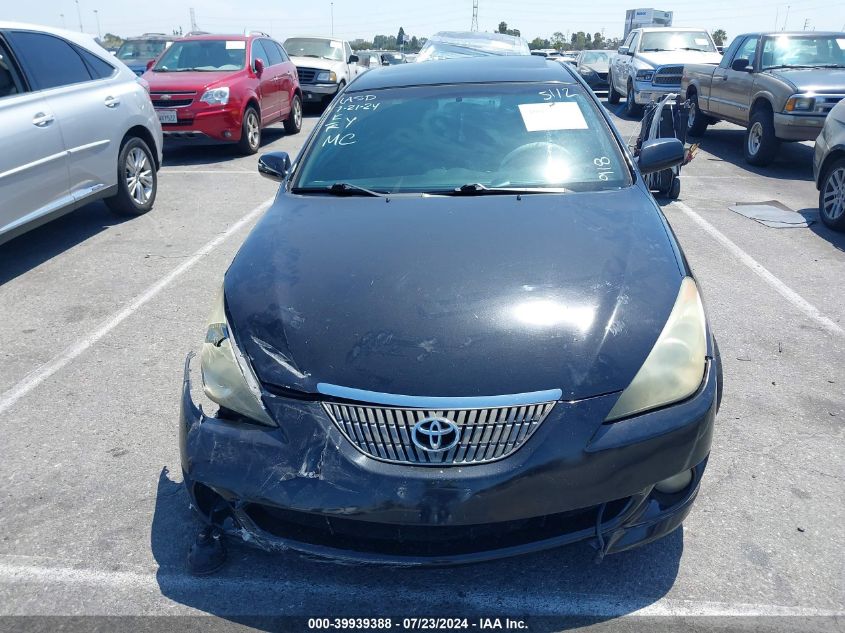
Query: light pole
[
  {"x": 79, "y": 14},
  {"x": 64, "y": 22},
  {"x": 99, "y": 32},
  {"x": 332, "y": 19}
]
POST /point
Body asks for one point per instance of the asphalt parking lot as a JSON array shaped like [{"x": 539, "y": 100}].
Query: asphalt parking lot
[{"x": 99, "y": 313}]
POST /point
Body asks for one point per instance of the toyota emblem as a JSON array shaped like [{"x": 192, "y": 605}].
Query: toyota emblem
[{"x": 435, "y": 434}]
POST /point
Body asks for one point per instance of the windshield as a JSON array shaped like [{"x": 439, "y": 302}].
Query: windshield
[
  {"x": 393, "y": 58},
  {"x": 677, "y": 40},
  {"x": 203, "y": 55},
  {"x": 315, "y": 47},
  {"x": 438, "y": 138},
  {"x": 818, "y": 51},
  {"x": 595, "y": 57},
  {"x": 140, "y": 49},
  {"x": 456, "y": 45}
]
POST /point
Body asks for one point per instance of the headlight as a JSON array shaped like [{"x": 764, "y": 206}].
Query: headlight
[
  {"x": 216, "y": 96},
  {"x": 586, "y": 72},
  {"x": 645, "y": 75},
  {"x": 797, "y": 103},
  {"x": 326, "y": 75},
  {"x": 674, "y": 368},
  {"x": 227, "y": 377}
]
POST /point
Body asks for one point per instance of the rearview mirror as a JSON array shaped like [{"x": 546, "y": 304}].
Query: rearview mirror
[
  {"x": 623, "y": 50},
  {"x": 353, "y": 59},
  {"x": 659, "y": 154},
  {"x": 274, "y": 165},
  {"x": 742, "y": 65},
  {"x": 150, "y": 63},
  {"x": 259, "y": 66}
]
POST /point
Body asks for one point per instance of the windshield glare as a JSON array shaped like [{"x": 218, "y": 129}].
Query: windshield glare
[
  {"x": 677, "y": 40},
  {"x": 310, "y": 47},
  {"x": 140, "y": 49},
  {"x": 437, "y": 138},
  {"x": 595, "y": 58},
  {"x": 803, "y": 51},
  {"x": 203, "y": 55}
]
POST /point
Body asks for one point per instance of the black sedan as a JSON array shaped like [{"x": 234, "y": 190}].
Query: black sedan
[
  {"x": 464, "y": 330},
  {"x": 593, "y": 67}
]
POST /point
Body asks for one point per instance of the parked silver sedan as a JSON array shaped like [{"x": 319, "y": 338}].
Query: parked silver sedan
[
  {"x": 829, "y": 168},
  {"x": 77, "y": 126}
]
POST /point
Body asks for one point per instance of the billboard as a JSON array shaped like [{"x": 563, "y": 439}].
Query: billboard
[{"x": 636, "y": 18}]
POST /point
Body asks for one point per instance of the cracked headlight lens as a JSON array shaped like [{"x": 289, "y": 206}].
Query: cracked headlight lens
[
  {"x": 227, "y": 377},
  {"x": 674, "y": 368}
]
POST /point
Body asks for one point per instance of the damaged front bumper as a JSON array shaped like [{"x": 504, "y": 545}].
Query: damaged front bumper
[{"x": 303, "y": 486}]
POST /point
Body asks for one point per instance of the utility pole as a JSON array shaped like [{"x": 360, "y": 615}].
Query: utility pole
[
  {"x": 332, "y": 9},
  {"x": 99, "y": 32},
  {"x": 474, "y": 26},
  {"x": 79, "y": 14},
  {"x": 806, "y": 23},
  {"x": 193, "y": 20},
  {"x": 786, "y": 19},
  {"x": 64, "y": 22}
]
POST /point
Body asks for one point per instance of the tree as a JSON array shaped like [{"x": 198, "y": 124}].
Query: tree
[
  {"x": 537, "y": 43},
  {"x": 415, "y": 43},
  {"x": 503, "y": 28},
  {"x": 558, "y": 39},
  {"x": 598, "y": 41},
  {"x": 400, "y": 39},
  {"x": 719, "y": 36}
]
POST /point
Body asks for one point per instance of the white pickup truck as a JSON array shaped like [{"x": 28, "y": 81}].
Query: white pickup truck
[
  {"x": 651, "y": 62},
  {"x": 324, "y": 64}
]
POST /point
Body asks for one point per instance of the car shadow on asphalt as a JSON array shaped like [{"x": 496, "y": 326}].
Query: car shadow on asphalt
[
  {"x": 33, "y": 248},
  {"x": 256, "y": 588},
  {"x": 794, "y": 161},
  {"x": 819, "y": 228}
]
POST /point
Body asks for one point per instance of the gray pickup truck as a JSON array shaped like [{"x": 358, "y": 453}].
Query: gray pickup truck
[{"x": 779, "y": 86}]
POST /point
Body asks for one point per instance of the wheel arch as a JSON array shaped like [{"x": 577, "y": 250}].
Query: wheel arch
[
  {"x": 833, "y": 155},
  {"x": 141, "y": 132}
]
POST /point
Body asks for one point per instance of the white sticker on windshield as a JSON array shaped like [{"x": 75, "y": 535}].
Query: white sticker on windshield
[
  {"x": 235, "y": 45},
  {"x": 558, "y": 115},
  {"x": 336, "y": 44},
  {"x": 701, "y": 41},
  {"x": 841, "y": 43}
]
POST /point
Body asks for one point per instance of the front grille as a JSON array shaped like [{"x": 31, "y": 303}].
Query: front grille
[
  {"x": 668, "y": 76},
  {"x": 484, "y": 435},
  {"x": 306, "y": 75},
  {"x": 173, "y": 100}
]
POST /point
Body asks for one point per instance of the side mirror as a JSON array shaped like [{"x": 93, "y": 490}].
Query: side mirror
[
  {"x": 659, "y": 154},
  {"x": 353, "y": 59},
  {"x": 259, "y": 66},
  {"x": 623, "y": 50},
  {"x": 275, "y": 165},
  {"x": 150, "y": 63},
  {"x": 742, "y": 65}
]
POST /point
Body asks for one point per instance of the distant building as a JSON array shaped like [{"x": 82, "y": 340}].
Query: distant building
[{"x": 636, "y": 18}]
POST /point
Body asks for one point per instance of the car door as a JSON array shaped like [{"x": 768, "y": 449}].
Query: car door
[
  {"x": 290, "y": 80},
  {"x": 351, "y": 68},
  {"x": 268, "y": 85},
  {"x": 282, "y": 79},
  {"x": 85, "y": 102},
  {"x": 733, "y": 87},
  {"x": 621, "y": 63},
  {"x": 33, "y": 160}
]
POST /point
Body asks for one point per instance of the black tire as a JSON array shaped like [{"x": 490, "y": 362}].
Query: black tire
[
  {"x": 832, "y": 196},
  {"x": 137, "y": 180},
  {"x": 293, "y": 124},
  {"x": 696, "y": 121},
  {"x": 250, "y": 132},
  {"x": 761, "y": 144},
  {"x": 720, "y": 380},
  {"x": 674, "y": 189},
  {"x": 632, "y": 109},
  {"x": 612, "y": 96}
]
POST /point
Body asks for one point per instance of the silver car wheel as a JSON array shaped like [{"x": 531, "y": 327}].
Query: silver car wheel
[
  {"x": 691, "y": 115},
  {"x": 834, "y": 194},
  {"x": 297, "y": 113},
  {"x": 755, "y": 138},
  {"x": 139, "y": 176},
  {"x": 252, "y": 130}
]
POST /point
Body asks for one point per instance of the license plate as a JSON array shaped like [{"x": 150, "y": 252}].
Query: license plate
[{"x": 166, "y": 116}]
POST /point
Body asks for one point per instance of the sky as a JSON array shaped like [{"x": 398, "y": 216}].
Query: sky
[{"x": 362, "y": 19}]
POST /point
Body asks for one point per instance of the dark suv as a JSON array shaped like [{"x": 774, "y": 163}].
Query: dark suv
[{"x": 225, "y": 89}]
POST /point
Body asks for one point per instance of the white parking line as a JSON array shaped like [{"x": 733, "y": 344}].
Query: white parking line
[
  {"x": 788, "y": 293},
  {"x": 518, "y": 602},
  {"x": 167, "y": 170},
  {"x": 43, "y": 372}
]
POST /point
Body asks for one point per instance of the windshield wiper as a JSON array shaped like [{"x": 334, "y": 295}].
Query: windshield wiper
[
  {"x": 477, "y": 189},
  {"x": 791, "y": 66},
  {"x": 346, "y": 189},
  {"x": 654, "y": 50}
]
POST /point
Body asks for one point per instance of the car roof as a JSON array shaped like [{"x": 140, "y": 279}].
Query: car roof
[
  {"x": 220, "y": 36},
  {"x": 794, "y": 34},
  {"x": 668, "y": 28},
  {"x": 494, "y": 69},
  {"x": 82, "y": 39}
]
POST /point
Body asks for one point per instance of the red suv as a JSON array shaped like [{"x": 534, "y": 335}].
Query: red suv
[{"x": 225, "y": 88}]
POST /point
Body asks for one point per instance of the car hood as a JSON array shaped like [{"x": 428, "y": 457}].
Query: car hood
[
  {"x": 598, "y": 67},
  {"x": 821, "y": 80},
  {"x": 661, "y": 58},
  {"x": 315, "y": 62},
  {"x": 471, "y": 296},
  {"x": 185, "y": 82}
]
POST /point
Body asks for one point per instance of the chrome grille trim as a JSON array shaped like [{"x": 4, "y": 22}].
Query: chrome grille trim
[
  {"x": 486, "y": 434},
  {"x": 668, "y": 76},
  {"x": 307, "y": 75}
]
